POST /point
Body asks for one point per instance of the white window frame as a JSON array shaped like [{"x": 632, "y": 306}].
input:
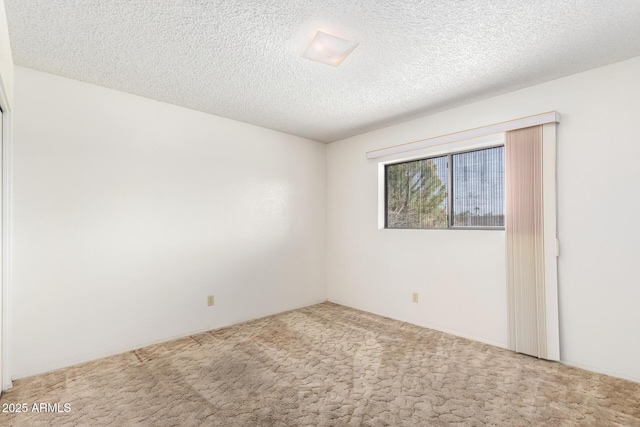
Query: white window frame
[{"x": 484, "y": 142}]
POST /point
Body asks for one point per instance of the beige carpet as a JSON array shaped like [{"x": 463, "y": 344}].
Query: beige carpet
[{"x": 325, "y": 365}]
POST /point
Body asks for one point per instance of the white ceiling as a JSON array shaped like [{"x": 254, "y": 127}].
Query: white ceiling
[{"x": 241, "y": 59}]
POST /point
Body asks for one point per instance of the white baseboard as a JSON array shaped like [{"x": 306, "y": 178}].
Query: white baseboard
[
  {"x": 52, "y": 367},
  {"x": 599, "y": 371},
  {"x": 495, "y": 344},
  {"x": 428, "y": 326}
]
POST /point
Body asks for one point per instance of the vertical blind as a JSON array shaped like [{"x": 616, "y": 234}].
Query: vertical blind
[
  {"x": 524, "y": 241},
  {"x": 478, "y": 188}
]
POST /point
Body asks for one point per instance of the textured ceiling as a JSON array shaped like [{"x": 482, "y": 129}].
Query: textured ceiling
[{"x": 241, "y": 59}]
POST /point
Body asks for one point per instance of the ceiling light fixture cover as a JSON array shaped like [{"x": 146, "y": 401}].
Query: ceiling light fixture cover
[{"x": 328, "y": 49}]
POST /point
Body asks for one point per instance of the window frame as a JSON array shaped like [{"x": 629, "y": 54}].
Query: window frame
[{"x": 450, "y": 189}]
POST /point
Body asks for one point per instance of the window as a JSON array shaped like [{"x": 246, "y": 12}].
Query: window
[
  {"x": 417, "y": 194},
  {"x": 422, "y": 193}
]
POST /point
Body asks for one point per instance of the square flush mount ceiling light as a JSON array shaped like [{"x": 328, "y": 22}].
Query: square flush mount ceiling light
[{"x": 328, "y": 49}]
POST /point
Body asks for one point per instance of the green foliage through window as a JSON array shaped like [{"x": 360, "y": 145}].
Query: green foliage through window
[{"x": 417, "y": 194}]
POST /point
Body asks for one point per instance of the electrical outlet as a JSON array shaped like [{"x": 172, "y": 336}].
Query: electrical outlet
[
  {"x": 210, "y": 300},
  {"x": 415, "y": 297}
]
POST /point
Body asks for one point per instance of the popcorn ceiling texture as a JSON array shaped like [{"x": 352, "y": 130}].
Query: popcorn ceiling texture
[
  {"x": 241, "y": 59},
  {"x": 325, "y": 365}
]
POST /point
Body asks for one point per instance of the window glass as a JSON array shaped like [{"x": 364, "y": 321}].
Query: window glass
[
  {"x": 478, "y": 188},
  {"x": 417, "y": 194}
]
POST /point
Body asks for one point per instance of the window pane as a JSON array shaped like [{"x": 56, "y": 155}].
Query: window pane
[
  {"x": 478, "y": 188},
  {"x": 417, "y": 194}
]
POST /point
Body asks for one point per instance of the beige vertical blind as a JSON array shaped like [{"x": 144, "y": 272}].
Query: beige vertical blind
[{"x": 524, "y": 228}]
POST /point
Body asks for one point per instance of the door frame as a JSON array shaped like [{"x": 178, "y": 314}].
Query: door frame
[{"x": 6, "y": 244}]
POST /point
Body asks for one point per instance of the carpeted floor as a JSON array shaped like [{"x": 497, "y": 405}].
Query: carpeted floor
[{"x": 324, "y": 365}]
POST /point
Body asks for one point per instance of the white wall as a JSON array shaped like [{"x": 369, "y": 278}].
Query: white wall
[
  {"x": 129, "y": 212},
  {"x": 460, "y": 274}
]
